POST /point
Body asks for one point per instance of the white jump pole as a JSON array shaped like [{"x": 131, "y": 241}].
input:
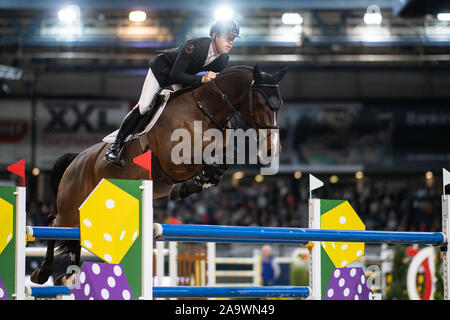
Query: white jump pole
[
  {"x": 147, "y": 240},
  {"x": 446, "y": 232},
  {"x": 159, "y": 263},
  {"x": 256, "y": 268},
  {"x": 211, "y": 256},
  {"x": 173, "y": 265},
  {"x": 314, "y": 259},
  {"x": 20, "y": 240}
]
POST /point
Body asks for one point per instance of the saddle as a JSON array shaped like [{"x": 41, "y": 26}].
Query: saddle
[
  {"x": 149, "y": 119},
  {"x": 146, "y": 119},
  {"x": 160, "y": 101}
]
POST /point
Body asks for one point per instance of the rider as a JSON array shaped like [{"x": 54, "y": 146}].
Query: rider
[{"x": 179, "y": 66}]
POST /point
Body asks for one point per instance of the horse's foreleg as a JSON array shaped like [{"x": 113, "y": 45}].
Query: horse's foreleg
[
  {"x": 210, "y": 175},
  {"x": 214, "y": 173},
  {"x": 42, "y": 274}
]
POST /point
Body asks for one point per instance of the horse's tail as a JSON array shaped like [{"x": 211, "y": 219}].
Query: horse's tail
[
  {"x": 60, "y": 166},
  {"x": 58, "y": 169}
]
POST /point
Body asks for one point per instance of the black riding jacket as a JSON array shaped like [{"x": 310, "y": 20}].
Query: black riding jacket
[{"x": 180, "y": 65}]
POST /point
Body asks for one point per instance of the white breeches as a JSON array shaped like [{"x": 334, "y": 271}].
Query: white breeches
[{"x": 149, "y": 90}]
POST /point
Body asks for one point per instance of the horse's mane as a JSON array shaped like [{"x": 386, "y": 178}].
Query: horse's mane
[
  {"x": 249, "y": 68},
  {"x": 224, "y": 73},
  {"x": 237, "y": 69}
]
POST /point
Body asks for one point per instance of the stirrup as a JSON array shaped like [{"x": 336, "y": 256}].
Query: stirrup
[{"x": 119, "y": 162}]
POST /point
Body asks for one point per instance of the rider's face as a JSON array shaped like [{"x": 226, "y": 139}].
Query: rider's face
[{"x": 224, "y": 42}]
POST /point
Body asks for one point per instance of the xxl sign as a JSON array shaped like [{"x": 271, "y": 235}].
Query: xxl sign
[
  {"x": 73, "y": 118},
  {"x": 66, "y": 126}
]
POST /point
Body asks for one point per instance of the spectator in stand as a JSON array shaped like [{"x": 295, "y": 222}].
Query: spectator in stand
[{"x": 270, "y": 270}]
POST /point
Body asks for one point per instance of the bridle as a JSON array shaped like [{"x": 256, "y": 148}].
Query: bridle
[
  {"x": 233, "y": 109},
  {"x": 250, "y": 104}
]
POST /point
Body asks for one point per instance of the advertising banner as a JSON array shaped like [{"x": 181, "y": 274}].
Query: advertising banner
[{"x": 67, "y": 126}]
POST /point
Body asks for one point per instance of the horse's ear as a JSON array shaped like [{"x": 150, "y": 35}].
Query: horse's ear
[
  {"x": 257, "y": 76},
  {"x": 277, "y": 76}
]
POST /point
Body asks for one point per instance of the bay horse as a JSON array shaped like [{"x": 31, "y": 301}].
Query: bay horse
[{"x": 246, "y": 91}]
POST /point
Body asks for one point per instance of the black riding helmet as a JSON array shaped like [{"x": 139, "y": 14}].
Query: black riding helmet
[{"x": 230, "y": 26}]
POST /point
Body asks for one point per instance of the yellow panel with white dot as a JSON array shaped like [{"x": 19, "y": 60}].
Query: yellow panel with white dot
[
  {"x": 109, "y": 222},
  {"x": 6, "y": 223},
  {"x": 342, "y": 217}
]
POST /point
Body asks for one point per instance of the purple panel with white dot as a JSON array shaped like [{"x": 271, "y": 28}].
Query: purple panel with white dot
[
  {"x": 348, "y": 284},
  {"x": 101, "y": 281},
  {"x": 3, "y": 294}
]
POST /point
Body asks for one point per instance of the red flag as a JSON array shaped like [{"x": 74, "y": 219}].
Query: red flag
[
  {"x": 145, "y": 160},
  {"x": 18, "y": 168}
]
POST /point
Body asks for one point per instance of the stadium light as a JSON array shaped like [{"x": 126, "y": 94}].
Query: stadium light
[
  {"x": 137, "y": 16},
  {"x": 334, "y": 179},
  {"x": 69, "y": 14},
  {"x": 259, "y": 178},
  {"x": 291, "y": 18},
  {"x": 359, "y": 175},
  {"x": 443, "y": 16},
  {"x": 223, "y": 13},
  {"x": 373, "y": 15},
  {"x": 10, "y": 73},
  {"x": 238, "y": 175},
  {"x": 4, "y": 88}
]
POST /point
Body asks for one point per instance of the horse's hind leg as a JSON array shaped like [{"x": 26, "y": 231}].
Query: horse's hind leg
[
  {"x": 68, "y": 279},
  {"x": 76, "y": 256},
  {"x": 42, "y": 274}
]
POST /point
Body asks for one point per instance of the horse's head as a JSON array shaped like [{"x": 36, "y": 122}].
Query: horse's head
[
  {"x": 261, "y": 112},
  {"x": 256, "y": 96}
]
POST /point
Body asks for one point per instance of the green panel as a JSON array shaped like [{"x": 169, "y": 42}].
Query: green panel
[
  {"x": 327, "y": 268},
  {"x": 327, "y": 265},
  {"x": 327, "y": 205},
  {"x": 8, "y": 257},
  {"x": 131, "y": 262}
]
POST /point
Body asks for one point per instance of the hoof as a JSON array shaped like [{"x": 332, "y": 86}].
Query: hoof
[
  {"x": 67, "y": 279},
  {"x": 175, "y": 192},
  {"x": 41, "y": 275}
]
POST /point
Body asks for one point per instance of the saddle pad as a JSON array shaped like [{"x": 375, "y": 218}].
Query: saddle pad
[{"x": 112, "y": 136}]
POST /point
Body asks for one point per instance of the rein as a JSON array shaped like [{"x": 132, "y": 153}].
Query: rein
[{"x": 233, "y": 109}]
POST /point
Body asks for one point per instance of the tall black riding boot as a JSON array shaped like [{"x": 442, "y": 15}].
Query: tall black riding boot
[{"x": 131, "y": 120}]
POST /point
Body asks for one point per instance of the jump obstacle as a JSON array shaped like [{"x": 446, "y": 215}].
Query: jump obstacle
[{"x": 137, "y": 257}]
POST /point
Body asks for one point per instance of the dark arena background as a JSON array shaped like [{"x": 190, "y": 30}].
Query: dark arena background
[{"x": 365, "y": 110}]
